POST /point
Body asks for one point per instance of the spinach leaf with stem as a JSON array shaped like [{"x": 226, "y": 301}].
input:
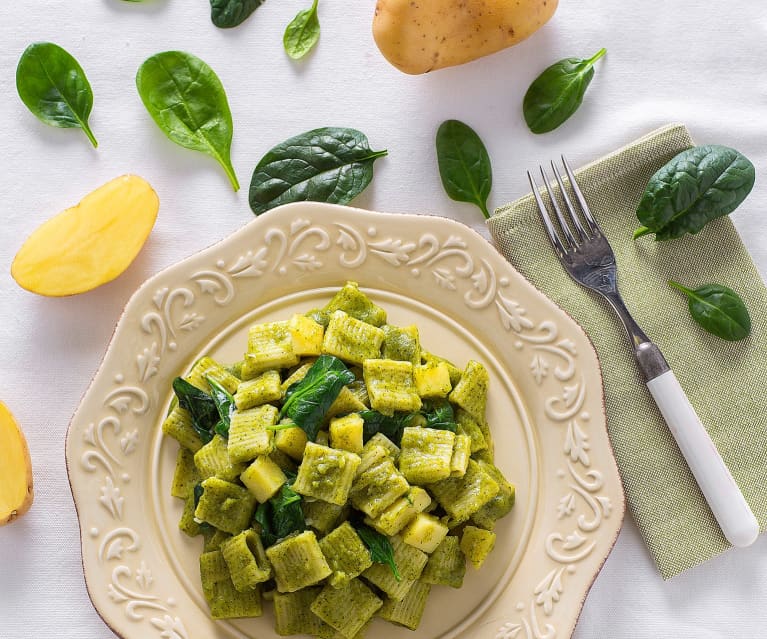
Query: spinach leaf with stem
[
  {"x": 330, "y": 164},
  {"x": 464, "y": 164},
  {"x": 302, "y": 33},
  {"x": 718, "y": 309},
  {"x": 226, "y": 14},
  {"x": 201, "y": 407},
  {"x": 186, "y": 99},
  {"x": 224, "y": 404},
  {"x": 693, "y": 188},
  {"x": 53, "y": 86},
  {"x": 381, "y": 550},
  {"x": 307, "y": 401},
  {"x": 558, "y": 92}
]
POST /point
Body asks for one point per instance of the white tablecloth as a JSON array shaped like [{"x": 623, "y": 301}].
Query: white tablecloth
[{"x": 698, "y": 62}]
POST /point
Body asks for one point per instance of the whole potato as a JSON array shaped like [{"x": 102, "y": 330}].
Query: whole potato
[{"x": 417, "y": 36}]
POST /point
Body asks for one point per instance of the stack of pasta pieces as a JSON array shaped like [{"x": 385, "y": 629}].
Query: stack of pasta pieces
[{"x": 344, "y": 473}]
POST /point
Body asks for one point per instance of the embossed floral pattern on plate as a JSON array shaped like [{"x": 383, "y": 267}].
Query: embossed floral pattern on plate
[{"x": 575, "y": 506}]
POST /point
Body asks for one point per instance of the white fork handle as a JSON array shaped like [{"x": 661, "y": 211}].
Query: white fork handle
[{"x": 719, "y": 488}]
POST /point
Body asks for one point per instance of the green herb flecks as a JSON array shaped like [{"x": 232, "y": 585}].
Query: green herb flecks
[
  {"x": 558, "y": 92},
  {"x": 187, "y": 101},
  {"x": 323, "y": 165},
  {"x": 53, "y": 86},
  {"x": 464, "y": 164},
  {"x": 302, "y": 33},
  {"x": 307, "y": 401},
  {"x": 718, "y": 309},
  {"x": 693, "y": 188}
]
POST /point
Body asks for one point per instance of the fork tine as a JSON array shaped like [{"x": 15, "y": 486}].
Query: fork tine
[
  {"x": 562, "y": 222},
  {"x": 568, "y": 204},
  {"x": 555, "y": 241},
  {"x": 581, "y": 200}
]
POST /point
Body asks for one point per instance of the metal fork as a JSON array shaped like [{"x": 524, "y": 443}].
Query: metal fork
[{"x": 587, "y": 256}]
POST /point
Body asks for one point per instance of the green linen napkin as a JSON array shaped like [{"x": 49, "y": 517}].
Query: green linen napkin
[{"x": 725, "y": 381}]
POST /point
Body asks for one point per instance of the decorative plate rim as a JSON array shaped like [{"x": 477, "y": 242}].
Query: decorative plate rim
[{"x": 527, "y": 623}]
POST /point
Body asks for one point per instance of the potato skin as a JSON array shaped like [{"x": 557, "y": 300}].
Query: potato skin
[{"x": 418, "y": 36}]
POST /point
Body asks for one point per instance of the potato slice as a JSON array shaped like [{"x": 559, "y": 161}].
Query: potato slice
[
  {"x": 91, "y": 243},
  {"x": 417, "y": 37},
  {"x": 16, "y": 492}
]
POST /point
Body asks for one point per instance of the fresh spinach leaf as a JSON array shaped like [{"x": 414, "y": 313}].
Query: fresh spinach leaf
[
  {"x": 391, "y": 426},
  {"x": 307, "y": 401},
  {"x": 226, "y": 14},
  {"x": 187, "y": 101},
  {"x": 224, "y": 404},
  {"x": 201, "y": 407},
  {"x": 558, "y": 92},
  {"x": 281, "y": 515},
  {"x": 381, "y": 551},
  {"x": 302, "y": 33},
  {"x": 718, "y": 309},
  {"x": 693, "y": 188},
  {"x": 464, "y": 164},
  {"x": 53, "y": 86},
  {"x": 440, "y": 415},
  {"x": 323, "y": 165}
]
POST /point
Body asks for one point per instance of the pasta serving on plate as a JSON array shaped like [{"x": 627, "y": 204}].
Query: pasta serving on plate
[{"x": 338, "y": 470}]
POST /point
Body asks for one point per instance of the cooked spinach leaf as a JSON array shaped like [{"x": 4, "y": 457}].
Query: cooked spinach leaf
[
  {"x": 558, "y": 92},
  {"x": 718, "y": 309},
  {"x": 323, "y": 165},
  {"x": 381, "y": 551},
  {"x": 302, "y": 33},
  {"x": 224, "y": 404},
  {"x": 281, "y": 516},
  {"x": 197, "y": 493},
  {"x": 307, "y": 401},
  {"x": 693, "y": 188},
  {"x": 187, "y": 101},
  {"x": 464, "y": 164},
  {"x": 201, "y": 407},
  {"x": 226, "y": 14},
  {"x": 391, "y": 426},
  {"x": 439, "y": 414},
  {"x": 53, "y": 86}
]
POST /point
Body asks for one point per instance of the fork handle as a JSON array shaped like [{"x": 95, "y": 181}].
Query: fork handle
[{"x": 730, "y": 508}]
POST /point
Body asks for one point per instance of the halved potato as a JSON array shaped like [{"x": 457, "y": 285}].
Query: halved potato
[
  {"x": 16, "y": 493},
  {"x": 91, "y": 243},
  {"x": 424, "y": 35}
]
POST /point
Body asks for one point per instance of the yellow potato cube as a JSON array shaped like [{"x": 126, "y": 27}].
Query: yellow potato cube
[
  {"x": 291, "y": 441},
  {"x": 432, "y": 380},
  {"x": 346, "y": 433},
  {"x": 306, "y": 335},
  {"x": 263, "y": 478},
  {"x": 425, "y": 532}
]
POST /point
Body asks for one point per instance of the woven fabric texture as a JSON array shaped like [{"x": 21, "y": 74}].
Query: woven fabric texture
[{"x": 724, "y": 380}]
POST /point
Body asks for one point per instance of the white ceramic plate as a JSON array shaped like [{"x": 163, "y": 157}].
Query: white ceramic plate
[{"x": 545, "y": 411}]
